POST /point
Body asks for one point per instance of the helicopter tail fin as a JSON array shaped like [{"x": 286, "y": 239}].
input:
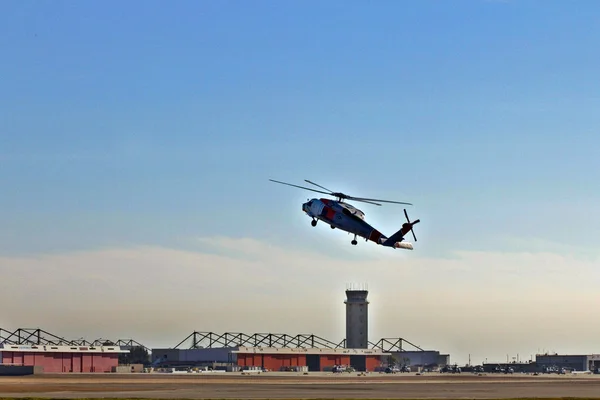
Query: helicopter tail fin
[{"x": 396, "y": 239}]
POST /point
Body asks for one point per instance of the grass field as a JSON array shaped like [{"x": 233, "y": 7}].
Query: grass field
[
  {"x": 394, "y": 398},
  {"x": 297, "y": 386}
]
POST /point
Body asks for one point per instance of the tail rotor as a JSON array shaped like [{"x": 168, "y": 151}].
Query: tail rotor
[
  {"x": 396, "y": 240},
  {"x": 409, "y": 225}
]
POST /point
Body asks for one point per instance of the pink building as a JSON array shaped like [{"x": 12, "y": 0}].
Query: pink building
[{"x": 62, "y": 358}]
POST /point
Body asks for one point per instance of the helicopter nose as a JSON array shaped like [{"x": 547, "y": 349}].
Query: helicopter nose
[{"x": 305, "y": 207}]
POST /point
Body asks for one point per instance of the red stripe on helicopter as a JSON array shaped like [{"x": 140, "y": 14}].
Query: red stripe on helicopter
[
  {"x": 329, "y": 213},
  {"x": 375, "y": 235}
]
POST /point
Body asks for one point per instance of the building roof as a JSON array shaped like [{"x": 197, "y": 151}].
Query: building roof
[
  {"x": 60, "y": 349},
  {"x": 300, "y": 350},
  {"x": 592, "y": 356}
]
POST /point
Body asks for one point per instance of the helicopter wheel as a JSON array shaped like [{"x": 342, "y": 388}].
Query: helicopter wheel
[
  {"x": 313, "y": 222},
  {"x": 354, "y": 242},
  {"x": 332, "y": 227}
]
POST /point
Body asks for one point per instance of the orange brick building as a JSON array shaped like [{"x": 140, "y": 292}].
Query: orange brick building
[
  {"x": 315, "y": 359},
  {"x": 62, "y": 358}
]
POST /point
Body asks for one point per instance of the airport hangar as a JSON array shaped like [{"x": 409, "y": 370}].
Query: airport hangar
[
  {"x": 47, "y": 352},
  {"x": 582, "y": 362},
  {"x": 546, "y": 363},
  {"x": 299, "y": 352}
]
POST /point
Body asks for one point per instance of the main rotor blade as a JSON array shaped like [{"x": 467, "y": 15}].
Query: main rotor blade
[
  {"x": 301, "y": 187},
  {"x": 322, "y": 187},
  {"x": 383, "y": 201},
  {"x": 365, "y": 201}
]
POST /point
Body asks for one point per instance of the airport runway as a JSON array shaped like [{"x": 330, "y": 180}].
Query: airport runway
[{"x": 298, "y": 386}]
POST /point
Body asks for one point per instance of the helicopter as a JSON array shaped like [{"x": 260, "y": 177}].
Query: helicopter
[{"x": 344, "y": 216}]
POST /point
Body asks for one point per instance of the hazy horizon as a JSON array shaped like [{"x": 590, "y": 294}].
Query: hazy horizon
[{"x": 112, "y": 303}]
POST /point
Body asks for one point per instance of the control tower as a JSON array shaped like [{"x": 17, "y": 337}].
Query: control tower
[{"x": 357, "y": 322}]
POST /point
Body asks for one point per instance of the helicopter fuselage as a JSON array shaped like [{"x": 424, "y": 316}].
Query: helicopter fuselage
[
  {"x": 343, "y": 216},
  {"x": 346, "y": 217}
]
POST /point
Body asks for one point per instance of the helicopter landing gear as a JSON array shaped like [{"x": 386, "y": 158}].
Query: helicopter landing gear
[
  {"x": 354, "y": 242},
  {"x": 313, "y": 222},
  {"x": 332, "y": 227}
]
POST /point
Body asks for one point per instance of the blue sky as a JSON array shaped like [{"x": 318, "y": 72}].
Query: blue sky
[
  {"x": 129, "y": 123},
  {"x": 177, "y": 115}
]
